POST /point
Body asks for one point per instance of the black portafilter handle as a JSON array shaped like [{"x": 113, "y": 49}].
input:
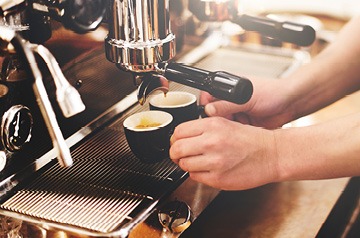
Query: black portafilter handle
[
  {"x": 221, "y": 85},
  {"x": 302, "y": 35}
]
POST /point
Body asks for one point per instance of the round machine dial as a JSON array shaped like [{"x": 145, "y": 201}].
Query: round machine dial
[{"x": 17, "y": 123}]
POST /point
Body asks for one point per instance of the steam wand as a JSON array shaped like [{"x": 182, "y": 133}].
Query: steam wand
[
  {"x": 67, "y": 96},
  {"x": 24, "y": 50}
]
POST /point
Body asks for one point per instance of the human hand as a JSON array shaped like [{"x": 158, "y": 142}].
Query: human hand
[
  {"x": 225, "y": 154},
  {"x": 269, "y": 106}
]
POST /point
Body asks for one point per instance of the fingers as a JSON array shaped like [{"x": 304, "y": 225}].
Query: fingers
[
  {"x": 198, "y": 163},
  {"x": 193, "y": 164},
  {"x": 191, "y": 131},
  {"x": 186, "y": 148},
  {"x": 188, "y": 129},
  {"x": 215, "y": 107},
  {"x": 206, "y": 98},
  {"x": 224, "y": 108}
]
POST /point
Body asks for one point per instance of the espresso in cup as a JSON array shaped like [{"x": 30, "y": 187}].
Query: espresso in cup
[
  {"x": 148, "y": 135},
  {"x": 181, "y": 105}
]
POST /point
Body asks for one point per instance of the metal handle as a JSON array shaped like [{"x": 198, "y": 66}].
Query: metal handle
[
  {"x": 220, "y": 84},
  {"x": 302, "y": 35}
]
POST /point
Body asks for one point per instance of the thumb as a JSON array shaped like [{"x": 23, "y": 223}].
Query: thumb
[{"x": 223, "y": 108}]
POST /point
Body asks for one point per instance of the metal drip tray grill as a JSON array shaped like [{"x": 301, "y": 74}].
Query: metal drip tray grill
[{"x": 105, "y": 188}]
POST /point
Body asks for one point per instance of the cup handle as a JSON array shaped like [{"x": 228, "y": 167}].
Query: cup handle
[
  {"x": 171, "y": 132},
  {"x": 201, "y": 111}
]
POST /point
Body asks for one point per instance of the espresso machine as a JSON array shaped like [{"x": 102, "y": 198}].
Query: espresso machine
[{"x": 64, "y": 162}]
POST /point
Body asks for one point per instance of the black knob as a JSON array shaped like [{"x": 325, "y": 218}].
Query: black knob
[{"x": 82, "y": 16}]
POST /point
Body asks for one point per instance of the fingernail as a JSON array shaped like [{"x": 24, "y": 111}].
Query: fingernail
[
  {"x": 210, "y": 110},
  {"x": 171, "y": 140}
]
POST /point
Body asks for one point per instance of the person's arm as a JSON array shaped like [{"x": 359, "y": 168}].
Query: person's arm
[
  {"x": 326, "y": 150},
  {"x": 331, "y": 75}
]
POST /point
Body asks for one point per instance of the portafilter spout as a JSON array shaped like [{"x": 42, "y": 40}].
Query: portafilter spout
[{"x": 149, "y": 83}]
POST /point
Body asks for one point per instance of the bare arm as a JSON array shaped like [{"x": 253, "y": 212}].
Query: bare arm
[
  {"x": 326, "y": 150},
  {"x": 331, "y": 75}
]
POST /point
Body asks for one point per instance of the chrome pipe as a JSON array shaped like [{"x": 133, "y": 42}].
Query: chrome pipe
[{"x": 58, "y": 141}]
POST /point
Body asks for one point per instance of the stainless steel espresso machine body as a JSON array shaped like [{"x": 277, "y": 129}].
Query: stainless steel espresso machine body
[{"x": 64, "y": 162}]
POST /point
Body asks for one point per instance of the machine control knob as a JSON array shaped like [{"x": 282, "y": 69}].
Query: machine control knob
[
  {"x": 81, "y": 16},
  {"x": 175, "y": 216},
  {"x": 16, "y": 127}
]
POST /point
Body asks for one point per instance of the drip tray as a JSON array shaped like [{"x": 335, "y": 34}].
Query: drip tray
[
  {"x": 100, "y": 192},
  {"x": 106, "y": 188},
  {"x": 105, "y": 193}
]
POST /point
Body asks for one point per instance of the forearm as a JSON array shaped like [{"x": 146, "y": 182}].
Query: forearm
[
  {"x": 327, "y": 150},
  {"x": 331, "y": 75}
]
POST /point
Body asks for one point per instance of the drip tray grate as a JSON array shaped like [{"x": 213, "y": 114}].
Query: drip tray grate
[{"x": 106, "y": 187}]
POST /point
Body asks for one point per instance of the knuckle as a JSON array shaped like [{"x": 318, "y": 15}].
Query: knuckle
[
  {"x": 213, "y": 143},
  {"x": 182, "y": 164},
  {"x": 176, "y": 151},
  {"x": 216, "y": 122}
]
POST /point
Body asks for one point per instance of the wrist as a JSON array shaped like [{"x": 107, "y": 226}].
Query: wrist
[{"x": 283, "y": 157}]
